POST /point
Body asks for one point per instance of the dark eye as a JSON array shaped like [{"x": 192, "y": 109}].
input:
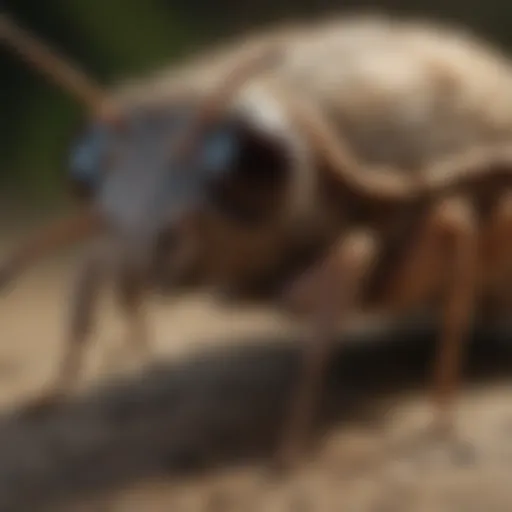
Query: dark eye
[{"x": 251, "y": 173}]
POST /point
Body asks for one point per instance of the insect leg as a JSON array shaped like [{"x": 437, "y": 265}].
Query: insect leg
[
  {"x": 445, "y": 256},
  {"x": 83, "y": 303},
  {"x": 496, "y": 246},
  {"x": 334, "y": 286},
  {"x": 131, "y": 294},
  {"x": 51, "y": 237},
  {"x": 455, "y": 220}
]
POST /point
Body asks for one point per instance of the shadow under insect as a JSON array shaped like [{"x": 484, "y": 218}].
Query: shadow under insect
[{"x": 217, "y": 408}]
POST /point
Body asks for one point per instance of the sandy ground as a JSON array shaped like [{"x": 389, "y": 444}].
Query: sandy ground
[{"x": 193, "y": 429}]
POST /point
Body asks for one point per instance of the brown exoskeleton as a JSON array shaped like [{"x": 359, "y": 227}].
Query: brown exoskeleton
[
  {"x": 405, "y": 97},
  {"x": 370, "y": 168}
]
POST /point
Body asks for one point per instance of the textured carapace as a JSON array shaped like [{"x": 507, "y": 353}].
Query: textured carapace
[
  {"x": 397, "y": 95},
  {"x": 318, "y": 160}
]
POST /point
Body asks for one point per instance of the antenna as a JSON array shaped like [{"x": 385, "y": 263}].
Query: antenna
[{"x": 51, "y": 64}]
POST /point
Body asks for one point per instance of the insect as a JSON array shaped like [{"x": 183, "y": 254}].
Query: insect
[
  {"x": 381, "y": 238},
  {"x": 377, "y": 170}
]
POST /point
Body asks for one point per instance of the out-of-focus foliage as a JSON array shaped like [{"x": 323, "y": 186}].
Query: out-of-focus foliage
[{"x": 116, "y": 38}]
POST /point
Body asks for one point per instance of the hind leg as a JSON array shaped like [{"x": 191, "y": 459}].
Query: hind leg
[
  {"x": 457, "y": 221},
  {"x": 496, "y": 248},
  {"x": 445, "y": 253}
]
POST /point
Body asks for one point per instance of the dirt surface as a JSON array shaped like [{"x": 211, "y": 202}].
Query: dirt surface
[{"x": 193, "y": 429}]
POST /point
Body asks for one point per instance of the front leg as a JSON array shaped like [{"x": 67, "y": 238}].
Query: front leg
[
  {"x": 131, "y": 293},
  {"x": 332, "y": 289},
  {"x": 83, "y": 304}
]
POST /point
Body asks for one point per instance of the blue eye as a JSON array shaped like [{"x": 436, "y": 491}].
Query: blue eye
[
  {"x": 219, "y": 151},
  {"x": 87, "y": 156}
]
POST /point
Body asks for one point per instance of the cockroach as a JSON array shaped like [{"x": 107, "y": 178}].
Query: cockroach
[{"x": 377, "y": 148}]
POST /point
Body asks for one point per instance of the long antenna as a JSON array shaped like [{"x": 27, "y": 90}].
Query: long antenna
[{"x": 51, "y": 64}]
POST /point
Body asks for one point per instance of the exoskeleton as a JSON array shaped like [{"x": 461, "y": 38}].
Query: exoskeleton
[{"x": 366, "y": 162}]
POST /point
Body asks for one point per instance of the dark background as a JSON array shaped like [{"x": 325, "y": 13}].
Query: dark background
[{"x": 116, "y": 38}]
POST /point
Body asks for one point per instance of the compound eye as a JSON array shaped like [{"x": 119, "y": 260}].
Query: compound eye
[
  {"x": 218, "y": 153},
  {"x": 89, "y": 156}
]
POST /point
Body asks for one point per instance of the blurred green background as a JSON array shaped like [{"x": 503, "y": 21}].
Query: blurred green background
[{"x": 116, "y": 38}]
